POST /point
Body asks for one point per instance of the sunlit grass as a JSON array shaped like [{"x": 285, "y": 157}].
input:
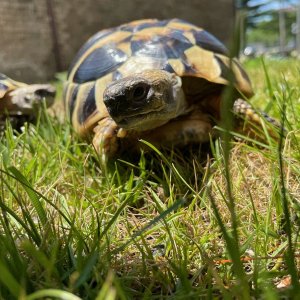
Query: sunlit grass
[{"x": 166, "y": 225}]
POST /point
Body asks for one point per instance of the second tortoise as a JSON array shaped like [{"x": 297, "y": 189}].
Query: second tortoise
[{"x": 21, "y": 102}]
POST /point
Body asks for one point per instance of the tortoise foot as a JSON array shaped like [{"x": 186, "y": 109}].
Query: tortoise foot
[{"x": 106, "y": 138}]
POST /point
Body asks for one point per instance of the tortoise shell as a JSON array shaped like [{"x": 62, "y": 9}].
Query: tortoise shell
[
  {"x": 7, "y": 85},
  {"x": 172, "y": 45}
]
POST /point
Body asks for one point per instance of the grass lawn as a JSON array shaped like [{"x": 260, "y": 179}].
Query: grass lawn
[{"x": 171, "y": 225}]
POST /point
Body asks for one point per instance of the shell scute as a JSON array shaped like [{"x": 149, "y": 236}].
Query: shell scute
[
  {"x": 88, "y": 107},
  {"x": 99, "y": 63},
  {"x": 3, "y": 89},
  {"x": 7, "y": 85},
  {"x": 90, "y": 42},
  {"x": 152, "y": 24},
  {"x": 73, "y": 91},
  {"x": 108, "y": 41},
  {"x": 207, "y": 41}
]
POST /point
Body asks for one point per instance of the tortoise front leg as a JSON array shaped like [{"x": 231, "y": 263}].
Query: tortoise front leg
[{"x": 105, "y": 140}]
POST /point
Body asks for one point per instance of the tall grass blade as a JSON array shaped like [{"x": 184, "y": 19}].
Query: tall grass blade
[
  {"x": 34, "y": 198},
  {"x": 86, "y": 272},
  {"x": 53, "y": 293},
  {"x": 9, "y": 281},
  {"x": 290, "y": 256}
]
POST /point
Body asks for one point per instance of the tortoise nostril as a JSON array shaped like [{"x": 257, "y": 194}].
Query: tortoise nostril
[
  {"x": 109, "y": 103},
  {"x": 113, "y": 100}
]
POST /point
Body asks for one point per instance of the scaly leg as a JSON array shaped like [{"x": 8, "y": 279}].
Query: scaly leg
[
  {"x": 106, "y": 137},
  {"x": 248, "y": 118}
]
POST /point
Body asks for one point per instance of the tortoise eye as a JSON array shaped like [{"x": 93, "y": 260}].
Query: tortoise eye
[{"x": 139, "y": 92}]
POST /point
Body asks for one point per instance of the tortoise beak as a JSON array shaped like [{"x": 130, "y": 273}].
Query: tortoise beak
[{"x": 126, "y": 101}]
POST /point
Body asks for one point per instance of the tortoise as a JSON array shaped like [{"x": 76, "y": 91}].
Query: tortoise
[
  {"x": 157, "y": 80},
  {"x": 19, "y": 102}
]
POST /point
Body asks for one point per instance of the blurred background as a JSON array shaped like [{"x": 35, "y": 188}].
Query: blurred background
[
  {"x": 269, "y": 28},
  {"x": 40, "y": 37}
]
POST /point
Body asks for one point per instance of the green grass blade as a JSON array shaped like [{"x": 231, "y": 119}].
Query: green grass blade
[
  {"x": 9, "y": 281},
  {"x": 85, "y": 273},
  {"x": 53, "y": 293},
  {"x": 33, "y": 196},
  {"x": 290, "y": 255}
]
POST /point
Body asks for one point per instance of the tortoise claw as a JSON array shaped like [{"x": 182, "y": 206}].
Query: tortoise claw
[{"x": 106, "y": 138}]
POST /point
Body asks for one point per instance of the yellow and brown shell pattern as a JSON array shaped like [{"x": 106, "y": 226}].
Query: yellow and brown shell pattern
[
  {"x": 7, "y": 85},
  {"x": 172, "y": 45}
]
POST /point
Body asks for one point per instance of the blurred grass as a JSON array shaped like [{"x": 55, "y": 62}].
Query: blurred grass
[{"x": 169, "y": 225}]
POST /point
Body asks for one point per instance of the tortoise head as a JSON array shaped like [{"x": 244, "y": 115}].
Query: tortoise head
[
  {"x": 26, "y": 99},
  {"x": 145, "y": 100}
]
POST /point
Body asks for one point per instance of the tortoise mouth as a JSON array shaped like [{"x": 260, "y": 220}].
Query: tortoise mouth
[{"x": 143, "y": 120}]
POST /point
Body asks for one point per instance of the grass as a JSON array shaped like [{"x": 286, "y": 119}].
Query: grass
[{"x": 168, "y": 225}]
